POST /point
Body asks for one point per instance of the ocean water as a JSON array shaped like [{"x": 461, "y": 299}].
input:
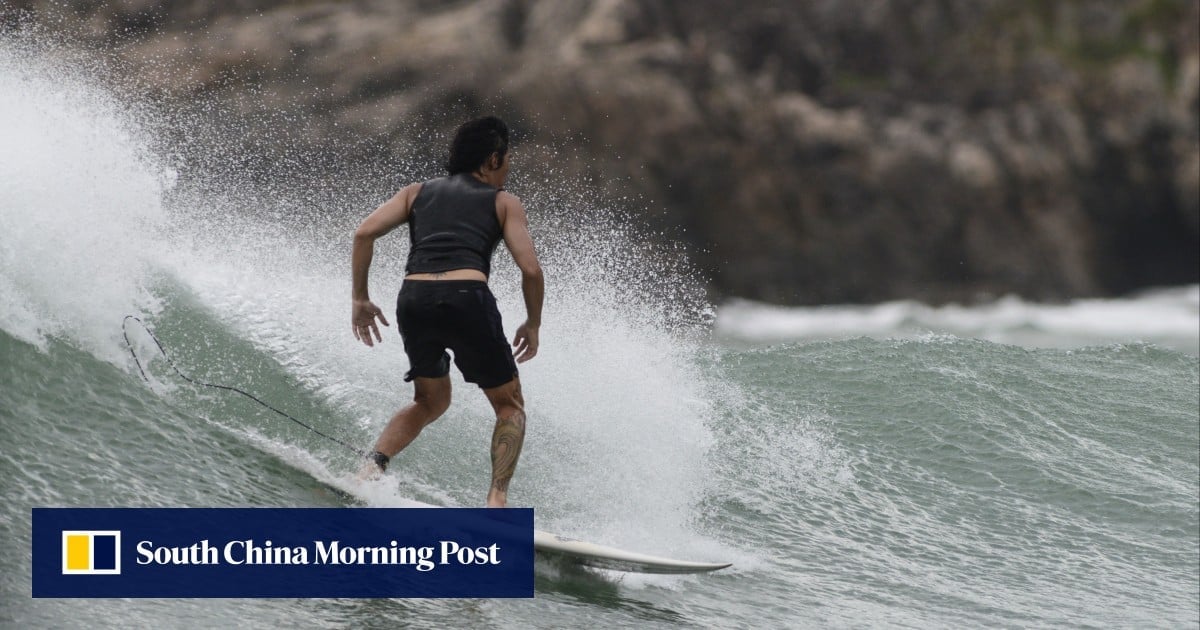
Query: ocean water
[{"x": 1004, "y": 465}]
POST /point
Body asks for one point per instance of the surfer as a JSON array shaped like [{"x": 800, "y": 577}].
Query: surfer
[{"x": 455, "y": 223}]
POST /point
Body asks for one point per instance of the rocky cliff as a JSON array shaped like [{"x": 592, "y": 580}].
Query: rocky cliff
[{"x": 818, "y": 151}]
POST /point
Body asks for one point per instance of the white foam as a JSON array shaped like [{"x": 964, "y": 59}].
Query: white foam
[
  {"x": 619, "y": 408},
  {"x": 78, "y": 194},
  {"x": 1168, "y": 317}
]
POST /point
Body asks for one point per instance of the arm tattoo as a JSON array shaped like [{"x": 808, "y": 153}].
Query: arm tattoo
[{"x": 506, "y": 449}]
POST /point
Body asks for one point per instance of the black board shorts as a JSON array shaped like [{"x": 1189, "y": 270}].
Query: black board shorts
[{"x": 459, "y": 315}]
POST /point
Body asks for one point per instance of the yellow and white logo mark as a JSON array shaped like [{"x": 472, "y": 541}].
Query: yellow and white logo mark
[{"x": 91, "y": 553}]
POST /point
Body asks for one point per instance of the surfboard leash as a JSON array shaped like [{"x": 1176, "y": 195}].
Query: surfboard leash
[{"x": 163, "y": 351}]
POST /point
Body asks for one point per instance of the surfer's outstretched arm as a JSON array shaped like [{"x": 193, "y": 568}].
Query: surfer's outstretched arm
[
  {"x": 516, "y": 236},
  {"x": 384, "y": 219}
]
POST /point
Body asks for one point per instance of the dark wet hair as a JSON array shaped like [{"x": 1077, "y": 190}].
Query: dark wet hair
[{"x": 474, "y": 142}]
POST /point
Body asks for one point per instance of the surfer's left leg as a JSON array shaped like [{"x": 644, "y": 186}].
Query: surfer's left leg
[
  {"x": 507, "y": 438},
  {"x": 430, "y": 401}
]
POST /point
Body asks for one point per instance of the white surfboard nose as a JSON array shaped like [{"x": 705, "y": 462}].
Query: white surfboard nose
[{"x": 601, "y": 556}]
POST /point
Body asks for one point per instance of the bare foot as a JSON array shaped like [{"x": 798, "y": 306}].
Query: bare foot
[{"x": 370, "y": 471}]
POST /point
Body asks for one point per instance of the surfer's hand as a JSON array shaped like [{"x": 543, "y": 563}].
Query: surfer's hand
[
  {"x": 525, "y": 343},
  {"x": 362, "y": 319}
]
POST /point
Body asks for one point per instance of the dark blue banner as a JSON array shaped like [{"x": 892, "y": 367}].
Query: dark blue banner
[{"x": 282, "y": 552}]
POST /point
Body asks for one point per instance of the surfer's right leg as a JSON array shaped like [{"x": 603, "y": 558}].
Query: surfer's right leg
[
  {"x": 507, "y": 438},
  {"x": 430, "y": 401}
]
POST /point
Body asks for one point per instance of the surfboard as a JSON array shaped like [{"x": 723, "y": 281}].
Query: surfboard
[
  {"x": 601, "y": 556},
  {"x": 592, "y": 554}
]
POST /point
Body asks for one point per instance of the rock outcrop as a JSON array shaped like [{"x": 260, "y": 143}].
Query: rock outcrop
[{"x": 823, "y": 151}]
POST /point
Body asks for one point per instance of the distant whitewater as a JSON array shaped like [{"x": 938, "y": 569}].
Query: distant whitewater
[{"x": 1167, "y": 317}]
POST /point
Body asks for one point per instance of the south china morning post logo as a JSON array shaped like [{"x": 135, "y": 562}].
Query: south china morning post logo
[
  {"x": 331, "y": 552},
  {"x": 282, "y": 552},
  {"x": 91, "y": 552}
]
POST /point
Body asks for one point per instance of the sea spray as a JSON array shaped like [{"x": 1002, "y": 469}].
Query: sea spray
[
  {"x": 80, "y": 200},
  {"x": 620, "y": 409}
]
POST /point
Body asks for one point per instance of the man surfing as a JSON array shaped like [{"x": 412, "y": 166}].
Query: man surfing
[{"x": 455, "y": 223}]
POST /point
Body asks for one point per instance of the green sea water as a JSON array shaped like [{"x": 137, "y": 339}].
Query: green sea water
[
  {"x": 894, "y": 477},
  {"x": 941, "y": 482}
]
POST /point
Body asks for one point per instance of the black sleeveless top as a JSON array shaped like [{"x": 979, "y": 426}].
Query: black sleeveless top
[{"x": 453, "y": 225}]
